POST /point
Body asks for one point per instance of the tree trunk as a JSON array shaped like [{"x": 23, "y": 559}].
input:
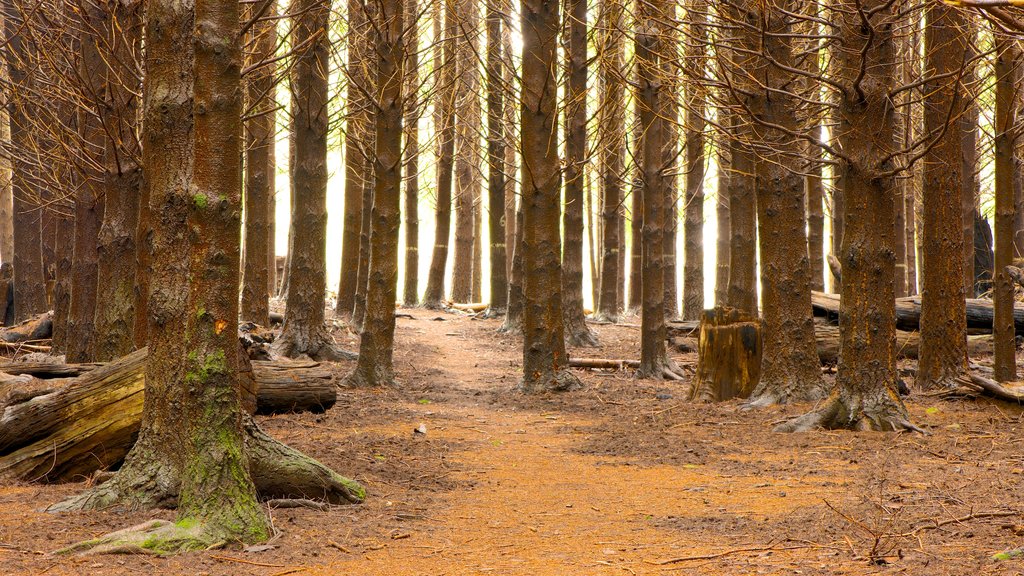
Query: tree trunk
[
  {"x": 693, "y": 228},
  {"x": 545, "y": 364},
  {"x": 358, "y": 127},
  {"x": 445, "y": 105},
  {"x": 789, "y": 370},
  {"x": 365, "y": 239},
  {"x": 376, "y": 341},
  {"x": 6, "y": 195},
  {"x": 1007, "y": 59},
  {"x": 467, "y": 149},
  {"x": 410, "y": 293},
  {"x": 742, "y": 226},
  {"x": 968, "y": 134},
  {"x": 29, "y": 279},
  {"x": 943, "y": 331},
  {"x": 866, "y": 381},
  {"x": 636, "y": 219},
  {"x": 577, "y": 332},
  {"x": 259, "y": 176},
  {"x": 497, "y": 216},
  {"x": 611, "y": 156},
  {"x": 304, "y": 331},
  {"x": 723, "y": 244}
]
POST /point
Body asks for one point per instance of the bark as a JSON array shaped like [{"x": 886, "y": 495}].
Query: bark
[
  {"x": 611, "y": 157},
  {"x": 62, "y": 285},
  {"x": 121, "y": 28},
  {"x": 743, "y": 228},
  {"x": 467, "y": 149},
  {"x": 943, "y": 334},
  {"x": 968, "y": 134},
  {"x": 65, "y": 429},
  {"x": 376, "y": 342},
  {"x": 6, "y": 196},
  {"x": 497, "y": 216},
  {"x": 365, "y": 240},
  {"x": 434, "y": 296},
  {"x": 259, "y": 173},
  {"x": 789, "y": 371},
  {"x": 1007, "y": 58},
  {"x": 410, "y": 293},
  {"x": 731, "y": 349},
  {"x": 514, "y": 316},
  {"x": 304, "y": 331},
  {"x": 866, "y": 394},
  {"x": 693, "y": 228},
  {"x": 723, "y": 245},
  {"x": 358, "y": 126},
  {"x": 80, "y": 328},
  {"x": 653, "y": 25},
  {"x": 29, "y": 279},
  {"x": 545, "y": 364},
  {"x": 636, "y": 220},
  {"x": 509, "y": 135},
  {"x": 577, "y": 332}
]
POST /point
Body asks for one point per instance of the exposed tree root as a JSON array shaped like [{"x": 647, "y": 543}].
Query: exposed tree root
[
  {"x": 603, "y": 318},
  {"x": 972, "y": 384},
  {"x": 580, "y": 336},
  {"x": 156, "y": 537},
  {"x": 784, "y": 393},
  {"x": 315, "y": 343},
  {"x": 511, "y": 325},
  {"x": 381, "y": 376},
  {"x": 492, "y": 313},
  {"x": 560, "y": 380},
  {"x": 881, "y": 412},
  {"x": 665, "y": 369},
  {"x": 278, "y": 472}
]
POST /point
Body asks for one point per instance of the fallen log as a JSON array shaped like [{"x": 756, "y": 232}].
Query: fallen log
[
  {"x": 908, "y": 312},
  {"x": 977, "y": 384},
  {"x": 907, "y": 344},
  {"x": 39, "y": 327},
  {"x": 603, "y": 363},
  {"x": 683, "y": 328},
  {"x": 66, "y": 429}
]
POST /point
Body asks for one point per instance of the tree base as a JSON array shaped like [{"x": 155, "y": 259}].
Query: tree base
[
  {"x": 511, "y": 325},
  {"x": 374, "y": 377},
  {"x": 492, "y": 313},
  {"x": 663, "y": 369},
  {"x": 580, "y": 336},
  {"x": 551, "y": 381},
  {"x": 156, "y": 537},
  {"x": 881, "y": 412},
  {"x": 316, "y": 343}
]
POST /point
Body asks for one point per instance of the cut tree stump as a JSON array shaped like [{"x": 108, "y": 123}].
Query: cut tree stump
[
  {"x": 729, "y": 365},
  {"x": 65, "y": 429}
]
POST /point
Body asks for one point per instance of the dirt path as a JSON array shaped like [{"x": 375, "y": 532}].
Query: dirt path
[{"x": 609, "y": 480}]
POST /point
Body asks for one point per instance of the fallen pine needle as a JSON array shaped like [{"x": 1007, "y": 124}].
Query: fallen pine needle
[
  {"x": 290, "y": 571},
  {"x": 721, "y": 554},
  {"x": 244, "y": 561}
]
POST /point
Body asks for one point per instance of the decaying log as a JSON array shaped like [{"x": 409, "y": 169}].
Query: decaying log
[
  {"x": 65, "y": 429},
  {"x": 973, "y": 383},
  {"x": 908, "y": 312},
  {"x": 1016, "y": 274},
  {"x": 38, "y": 327},
  {"x": 729, "y": 365},
  {"x": 603, "y": 363},
  {"x": 907, "y": 344},
  {"x": 47, "y": 370},
  {"x": 683, "y": 328},
  {"x": 468, "y": 306}
]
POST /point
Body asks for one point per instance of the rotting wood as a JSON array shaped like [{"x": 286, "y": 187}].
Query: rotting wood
[
  {"x": 908, "y": 312},
  {"x": 730, "y": 349}
]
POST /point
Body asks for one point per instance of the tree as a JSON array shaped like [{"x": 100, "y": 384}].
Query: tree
[
  {"x": 864, "y": 64},
  {"x": 611, "y": 155},
  {"x": 654, "y": 21},
  {"x": 260, "y": 130},
  {"x": 943, "y": 316},
  {"x": 196, "y": 449},
  {"x": 1007, "y": 60},
  {"x": 497, "y": 218},
  {"x": 467, "y": 147},
  {"x": 545, "y": 364},
  {"x": 410, "y": 294},
  {"x": 693, "y": 227},
  {"x": 304, "y": 331},
  {"x": 576, "y": 330},
  {"x": 122, "y": 183},
  {"x": 445, "y": 132},
  {"x": 376, "y": 341},
  {"x": 790, "y": 370}
]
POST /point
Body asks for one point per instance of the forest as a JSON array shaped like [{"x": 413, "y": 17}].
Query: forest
[{"x": 390, "y": 287}]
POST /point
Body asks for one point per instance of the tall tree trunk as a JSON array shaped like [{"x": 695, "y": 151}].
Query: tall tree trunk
[
  {"x": 122, "y": 185},
  {"x": 356, "y": 142},
  {"x": 6, "y": 196},
  {"x": 445, "y": 104},
  {"x": 1007, "y": 60},
  {"x": 497, "y": 217},
  {"x": 636, "y": 217},
  {"x": 410, "y": 293},
  {"x": 259, "y": 176},
  {"x": 790, "y": 369},
  {"x": 467, "y": 149},
  {"x": 509, "y": 135},
  {"x": 304, "y": 331},
  {"x": 376, "y": 341},
  {"x": 943, "y": 329},
  {"x": 968, "y": 127},
  {"x": 652, "y": 25},
  {"x": 611, "y": 155},
  {"x": 743, "y": 225},
  {"x": 29, "y": 279},
  {"x": 514, "y": 316},
  {"x": 864, "y": 62},
  {"x": 577, "y": 332},
  {"x": 723, "y": 244},
  {"x": 545, "y": 363},
  {"x": 365, "y": 239},
  {"x": 693, "y": 229}
]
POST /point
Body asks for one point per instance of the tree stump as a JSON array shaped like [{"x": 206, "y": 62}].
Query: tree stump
[{"x": 729, "y": 365}]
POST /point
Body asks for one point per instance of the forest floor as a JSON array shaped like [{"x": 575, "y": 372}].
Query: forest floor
[{"x": 622, "y": 477}]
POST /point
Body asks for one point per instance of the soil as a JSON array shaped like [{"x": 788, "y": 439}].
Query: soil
[{"x": 622, "y": 477}]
